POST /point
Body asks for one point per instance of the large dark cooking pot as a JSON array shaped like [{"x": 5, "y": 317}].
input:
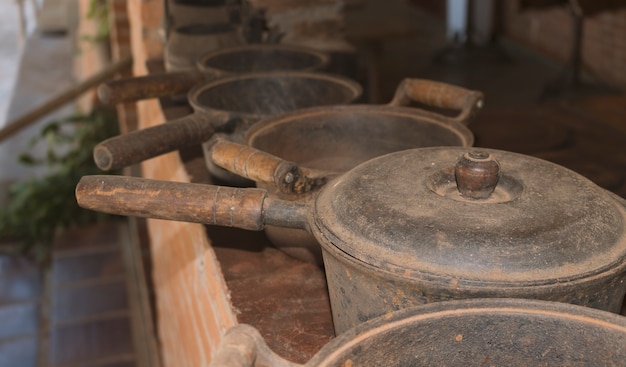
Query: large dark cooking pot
[
  {"x": 230, "y": 104},
  {"x": 186, "y": 44},
  {"x": 219, "y": 63},
  {"x": 423, "y": 225},
  {"x": 333, "y": 139},
  {"x": 483, "y": 332},
  {"x": 187, "y": 12}
]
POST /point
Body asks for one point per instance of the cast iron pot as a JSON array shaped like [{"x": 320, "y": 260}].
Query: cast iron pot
[
  {"x": 187, "y": 44},
  {"x": 423, "y": 225},
  {"x": 227, "y": 61},
  {"x": 230, "y": 104},
  {"x": 481, "y": 332},
  {"x": 327, "y": 141},
  {"x": 185, "y": 12}
]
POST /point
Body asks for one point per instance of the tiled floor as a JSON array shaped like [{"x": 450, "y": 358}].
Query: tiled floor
[
  {"x": 90, "y": 320},
  {"x": 21, "y": 289},
  {"x": 80, "y": 316}
]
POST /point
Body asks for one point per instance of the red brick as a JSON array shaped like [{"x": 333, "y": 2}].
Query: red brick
[{"x": 151, "y": 13}]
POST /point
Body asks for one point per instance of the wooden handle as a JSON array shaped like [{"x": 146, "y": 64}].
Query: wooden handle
[
  {"x": 441, "y": 95},
  {"x": 179, "y": 201},
  {"x": 137, "y": 146},
  {"x": 260, "y": 166},
  {"x": 243, "y": 346},
  {"x": 255, "y": 165},
  {"x": 149, "y": 86}
]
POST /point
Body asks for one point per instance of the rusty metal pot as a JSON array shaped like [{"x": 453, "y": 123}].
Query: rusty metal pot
[
  {"x": 229, "y": 104},
  {"x": 482, "y": 332},
  {"x": 187, "y": 12},
  {"x": 228, "y": 61},
  {"x": 186, "y": 44},
  {"x": 334, "y": 139},
  {"x": 421, "y": 226}
]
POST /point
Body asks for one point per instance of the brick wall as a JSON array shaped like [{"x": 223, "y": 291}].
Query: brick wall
[
  {"x": 549, "y": 31},
  {"x": 120, "y": 49},
  {"x": 92, "y": 57},
  {"x": 192, "y": 300}
]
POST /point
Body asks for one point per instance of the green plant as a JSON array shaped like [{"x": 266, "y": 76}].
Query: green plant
[
  {"x": 98, "y": 12},
  {"x": 39, "y": 208}
]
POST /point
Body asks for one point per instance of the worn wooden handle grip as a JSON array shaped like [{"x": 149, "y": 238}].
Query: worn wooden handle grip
[
  {"x": 440, "y": 95},
  {"x": 137, "y": 146},
  {"x": 179, "y": 201},
  {"x": 243, "y": 346},
  {"x": 149, "y": 86},
  {"x": 255, "y": 165}
]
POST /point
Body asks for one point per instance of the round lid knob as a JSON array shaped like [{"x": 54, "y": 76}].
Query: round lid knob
[{"x": 477, "y": 174}]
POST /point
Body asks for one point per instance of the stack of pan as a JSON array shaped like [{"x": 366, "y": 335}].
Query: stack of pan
[
  {"x": 406, "y": 237},
  {"x": 409, "y": 221}
]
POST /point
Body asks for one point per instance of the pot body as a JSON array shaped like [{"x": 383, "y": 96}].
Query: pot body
[
  {"x": 398, "y": 231},
  {"x": 186, "y": 44},
  {"x": 245, "y": 99},
  {"x": 254, "y": 58},
  {"x": 337, "y": 138},
  {"x": 480, "y": 332},
  {"x": 182, "y": 13},
  {"x": 360, "y": 292},
  {"x": 496, "y": 332}
]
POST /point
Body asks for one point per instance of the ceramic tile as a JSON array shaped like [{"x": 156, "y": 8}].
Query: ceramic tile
[
  {"x": 96, "y": 236},
  {"x": 78, "y": 302},
  {"x": 19, "y": 352},
  {"x": 16, "y": 264},
  {"x": 89, "y": 341},
  {"x": 19, "y": 287},
  {"x": 19, "y": 319},
  {"x": 98, "y": 265}
]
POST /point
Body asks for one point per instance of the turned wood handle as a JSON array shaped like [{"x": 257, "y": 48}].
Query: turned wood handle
[
  {"x": 137, "y": 146},
  {"x": 441, "y": 95},
  {"x": 149, "y": 86},
  {"x": 259, "y": 166},
  {"x": 255, "y": 165},
  {"x": 179, "y": 201},
  {"x": 243, "y": 346}
]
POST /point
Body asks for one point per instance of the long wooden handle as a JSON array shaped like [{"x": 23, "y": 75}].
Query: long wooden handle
[
  {"x": 149, "y": 86},
  {"x": 137, "y": 146},
  {"x": 260, "y": 166},
  {"x": 179, "y": 201},
  {"x": 440, "y": 95},
  {"x": 255, "y": 165}
]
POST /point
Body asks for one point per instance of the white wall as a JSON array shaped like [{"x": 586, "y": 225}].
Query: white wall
[{"x": 30, "y": 74}]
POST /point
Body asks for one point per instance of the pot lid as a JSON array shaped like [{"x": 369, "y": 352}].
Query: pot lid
[{"x": 403, "y": 212}]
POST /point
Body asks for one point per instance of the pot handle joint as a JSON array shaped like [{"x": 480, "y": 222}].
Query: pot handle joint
[
  {"x": 440, "y": 95},
  {"x": 260, "y": 166}
]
